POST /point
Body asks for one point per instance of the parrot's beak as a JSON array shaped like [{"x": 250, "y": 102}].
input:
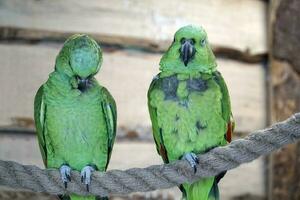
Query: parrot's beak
[
  {"x": 83, "y": 83},
  {"x": 187, "y": 51}
]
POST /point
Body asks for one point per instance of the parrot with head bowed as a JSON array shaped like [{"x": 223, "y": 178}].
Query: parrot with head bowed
[
  {"x": 189, "y": 107},
  {"x": 75, "y": 116}
]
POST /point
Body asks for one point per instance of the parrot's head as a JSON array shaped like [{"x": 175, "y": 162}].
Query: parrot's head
[
  {"x": 80, "y": 58},
  {"x": 190, "y": 51}
]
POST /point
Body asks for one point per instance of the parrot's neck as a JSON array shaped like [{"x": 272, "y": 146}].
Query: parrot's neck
[
  {"x": 66, "y": 86},
  {"x": 187, "y": 75},
  {"x": 60, "y": 81}
]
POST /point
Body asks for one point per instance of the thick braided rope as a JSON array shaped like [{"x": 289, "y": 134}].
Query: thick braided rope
[{"x": 155, "y": 177}]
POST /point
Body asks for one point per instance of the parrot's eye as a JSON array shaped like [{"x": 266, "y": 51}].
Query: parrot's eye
[
  {"x": 77, "y": 77},
  {"x": 193, "y": 41},
  {"x": 203, "y": 42},
  {"x": 182, "y": 40}
]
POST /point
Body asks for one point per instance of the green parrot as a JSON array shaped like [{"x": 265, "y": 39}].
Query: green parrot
[
  {"x": 189, "y": 107},
  {"x": 75, "y": 116}
]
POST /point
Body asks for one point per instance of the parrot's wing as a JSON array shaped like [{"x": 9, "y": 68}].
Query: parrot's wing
[
  {"x": 110, "y": 112},
  {"x": 226, "y": 113},
  {"x": 226, "y": 105},
  {"x": 39, "y": 118},
  {"x": 157, "y": 131}
]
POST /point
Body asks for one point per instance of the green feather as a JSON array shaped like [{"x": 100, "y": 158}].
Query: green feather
[
  {"x": 75, "y": 127},
  {"x": 39, "y": 116},
  {"x": 226, "y": 105},
  {"x": 189, "y": 107},
  {"x": 204, "y": 59}
]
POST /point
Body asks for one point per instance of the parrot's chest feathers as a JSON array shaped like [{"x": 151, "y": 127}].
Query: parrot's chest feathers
[
  {"x": 179, "y": 90},
  {"x": 76, "y": 106},
  {"x": 189, "y": 113},
  {"x": 75, "y": 120},
  {"x": 69, "y": 97},
  {"x": 73, "y": 112}
]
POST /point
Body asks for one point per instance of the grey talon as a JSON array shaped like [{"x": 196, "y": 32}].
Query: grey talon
[
  {"x": 66, "y": 184},
  {"x": 195, "y": 157},
  {"x": 68, "y": 177},
  {"x": 192, "y": 159},
  {"x": 86, "y": 174},
  {"x": 195, "y": 169},
  {"x": 65, "y": 173}
]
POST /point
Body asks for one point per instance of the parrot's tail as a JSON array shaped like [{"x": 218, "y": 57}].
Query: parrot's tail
[
  {"x": 205, "y": 189},
  {"x": 76, "y": 197}
]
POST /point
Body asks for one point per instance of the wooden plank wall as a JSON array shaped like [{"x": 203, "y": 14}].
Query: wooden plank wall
[
  {"x": 127, "y": 74},
  {"x": 234, "y": 28},
  {"x": 133, "y": 35},
  {"x": 285, "y": 86},
  {"x": 233, "y": 25}
]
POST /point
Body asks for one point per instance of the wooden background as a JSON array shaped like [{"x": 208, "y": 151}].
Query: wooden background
[
  {"x": 284, "y": 57},
  {"x": 134, "y": 35}
]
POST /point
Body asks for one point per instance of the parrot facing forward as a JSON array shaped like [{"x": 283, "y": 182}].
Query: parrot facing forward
[
  {"x": 189, "y": 107},
  {"x": 75, "y": 117}
]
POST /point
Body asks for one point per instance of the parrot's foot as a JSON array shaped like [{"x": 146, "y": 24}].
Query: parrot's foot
[
  {"x": 65, "y": 173},
  {"x": 86, "y": 174},
  {"x": 192, "y": 159}
]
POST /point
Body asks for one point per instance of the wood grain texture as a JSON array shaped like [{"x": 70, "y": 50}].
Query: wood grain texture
[
  {"x": 285, "y": 86},
  {"x": 285, "y": 163},
  {"x": 232, "y": 25},
  {"x": 127, "y": 74},
  {"x": 287, "y": 33}
]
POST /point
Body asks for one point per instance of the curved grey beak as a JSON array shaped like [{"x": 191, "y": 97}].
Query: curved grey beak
[{"x": 187, "y": 51}]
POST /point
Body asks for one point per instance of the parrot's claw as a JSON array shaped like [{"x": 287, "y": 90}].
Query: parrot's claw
[
  {"x": 65, "y": 173},
  {"x": 192, "y": 159},
  {"x": 86, "y": 174}
]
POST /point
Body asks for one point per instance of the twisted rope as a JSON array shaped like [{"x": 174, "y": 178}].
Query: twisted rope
[{"x": 219, "y": 159}]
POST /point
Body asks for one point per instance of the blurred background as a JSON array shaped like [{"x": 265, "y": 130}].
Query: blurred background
[{"x": 256, "y": 43}]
